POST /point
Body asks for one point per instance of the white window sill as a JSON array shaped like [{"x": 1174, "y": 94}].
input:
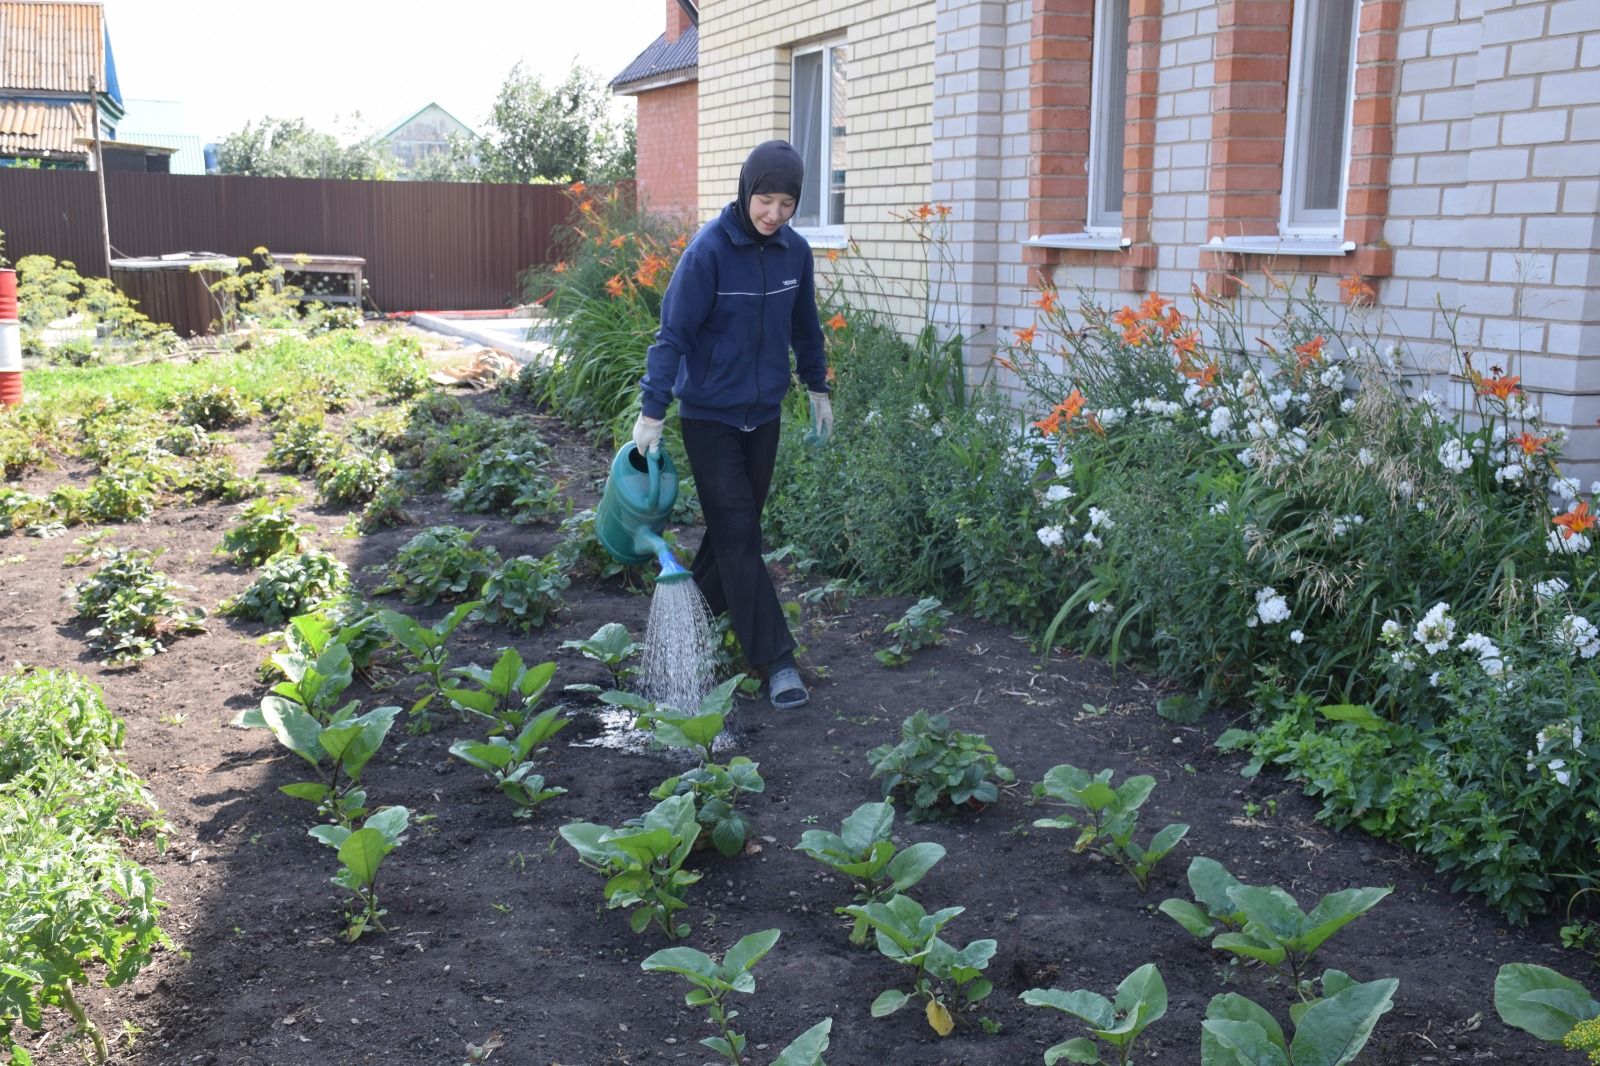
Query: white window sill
[
  {"x": 824, "y": 238},
  {"x": 1280, "y": 245},
  {"x": 1089, "y": 242}
]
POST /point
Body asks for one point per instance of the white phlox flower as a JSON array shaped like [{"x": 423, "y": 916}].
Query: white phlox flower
[
  {"x": 1296, "y": 636},
  {"x": 1347, "y": 405},
  {"x": 1392, "y": 632},
  {"x": 1154, "y": 406},
  {"x": 1051, "y": 536},
  {"x": 871, "y": 417},
  {"x": 1332, "y": 376},
  {"x": 1092, "y": 541},
  {"x": 1404, "y": 659},
  {"x": 1513, "y": 470},
  {"x": 1488, "y": 653},
  {"x": 1558, "y": 543},
  {"x": 1058, "y": 493},
  {"x": 1096, "y": 606},
  {"x": 1565, "y": 488},
  {"x": 1271, "y": 608},
  {"x": 1346, "y": 522},
  {"x": 1221, "y": 423},
  {"x": 1575, "y": 634},
  {"x": 1365, "y": 457},
  {"x": 1100, "y": 519},
  {"x": 1112, "y": 416},
  {"x": 1219, "y": 508},
  {"x": 919, "y": 411},
  {"x": 1453, "y": 456},
  {"x": 1550, "y": 588},
  {"x": 1280, "y": 399},
  {"x": 1436, "y": 629}
]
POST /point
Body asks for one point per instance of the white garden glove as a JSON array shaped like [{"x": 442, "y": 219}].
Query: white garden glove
[
  {"x": 821, "y": 416},
  {"x": 647, "y": 434}
]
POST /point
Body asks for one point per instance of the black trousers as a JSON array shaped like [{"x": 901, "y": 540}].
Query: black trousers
[{"x": 732, "y": 473}]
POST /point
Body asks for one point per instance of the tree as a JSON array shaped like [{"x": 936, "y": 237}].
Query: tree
[
  {"x": 565, "y": 133},
  {"x": 289, "y": 148}
]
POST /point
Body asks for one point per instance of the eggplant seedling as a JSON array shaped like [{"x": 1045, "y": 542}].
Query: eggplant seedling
[
  {"x": 426, "y": 646},
  {"x": 643, "y": 864},
  {"x": 864, "y": 852},
  {"x": 1141, "y": 1000},
  {"x": 510, "y": 762},
  {"x": 506, "y": 694},
  {"x": 1329, "y": 1032},
  {"x": 713, "y": 982},
  {"x": 943, "y": 976},
  {"x": 361, "y": 852},
  {"x": 1277, "y": 932},
  {"x": 337, "y": 751},
  {"x": 611, "y": 646},
  {"x": 1109, "y": 817}
]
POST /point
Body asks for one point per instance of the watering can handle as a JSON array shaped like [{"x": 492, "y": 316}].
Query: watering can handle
[{"x": 652, "y": 460}]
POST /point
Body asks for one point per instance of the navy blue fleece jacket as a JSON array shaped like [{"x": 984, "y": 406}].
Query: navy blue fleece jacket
[{"x": 734, "y": 308}]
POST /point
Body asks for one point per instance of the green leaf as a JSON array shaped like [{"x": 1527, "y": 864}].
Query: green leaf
[
  {"x": 888, "y": 1002},
  {"x": 331, "y": 835},
  {"x": 912, "y": 864},
  {"x": 314, "y": 791},
  {"x": 1209, "y": 880},
  {"x": 1336, "y": 910},
  {"x": 1141, "y": 998},
  {"x": 1163, "y": 842},
  {"x": 1230, "y": 1006},
  {"x": 1078, "y": 1049},
  {"x": 1228, "y": 1042},
  {"x": 1516, "y": 1000},
  {"x": 295, "y": 729},
  {"x": 362, "y": 852},
  {"x": 1089, "y": 1006},
  {"x": 866, "y": 825},
  {"x": 748, "y": 951},
  {"x": 390, "y": 821},
  {"x": 682, "y": 960},
  {"x": 1181, "y": 708},
  {"x": 1250, "y": 947},
  {"x": 1335, "y": 1029},
  {"x": 1357, "y": 714},
  {"x": 807, "y": 1048},
  {"x": 1186, "y": 914},
  {"x": 1271, "y": 909}
]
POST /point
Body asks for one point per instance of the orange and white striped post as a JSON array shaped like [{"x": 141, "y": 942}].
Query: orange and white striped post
[{"x": 10, "y": 342}]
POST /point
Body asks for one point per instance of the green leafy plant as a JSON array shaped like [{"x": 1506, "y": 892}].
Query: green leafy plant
[
  {"x": 863, "y": 850},
  {"x": 1209, "y": 882},
  {"x": 215, "y": 407},
  {"x": 949, "y": 981},
  {"x": 132, "y": 608},
  {"x": 506, "y": 694},
  {"x": 289, "y": 585},
  {"x": 361, "y": 853},
  {"x": 1329, "y": 1032},
  {"x": 501, "y": 477},
  {"x": 355, "y": 479},
  {"x": 1278, "y": 933},
  {"x": 264, "y": 528},
  {"x": 939, "y": 769},
  {"x": 1141, "y": 1000},
  {"x": 1538, "y": 1000},
  {"x": 922, "y": 626},
  {"x": 303, "y": 446},
  {"x": 643, "y": 864},
  {"x": 440, "y": 562},
  {"x": 386, "y": 508},
  {"x": 714, "y": 981},
  {"x": 426, "y": 647},
  {"x": 338, "y": 751},
  {"x": 1107, "y": 817},
  {"x": 510, "y": 761},
  {"x": 524, "y": 592},
  {"x": 611, "y": 646}
]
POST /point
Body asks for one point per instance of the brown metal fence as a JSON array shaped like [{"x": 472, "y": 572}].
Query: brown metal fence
[{"x": 428, "y": 245}]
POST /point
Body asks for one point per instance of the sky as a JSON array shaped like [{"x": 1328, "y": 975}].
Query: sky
[{"x": 230, "y": 62}]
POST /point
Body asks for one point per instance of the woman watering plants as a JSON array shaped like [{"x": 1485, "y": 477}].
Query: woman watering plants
[{"x": 742, "y": 296}]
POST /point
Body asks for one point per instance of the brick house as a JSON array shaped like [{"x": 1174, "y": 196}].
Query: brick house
[
  {"x": 663, "y": 81},
  {"x": 1447, "y": 151}
]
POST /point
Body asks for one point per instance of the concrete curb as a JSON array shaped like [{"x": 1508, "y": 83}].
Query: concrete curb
[{"x": 502, "y": 334}]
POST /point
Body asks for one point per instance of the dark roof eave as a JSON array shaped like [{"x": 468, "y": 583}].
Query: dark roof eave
[
  {"x": 662, "y": 57},
  {"x": 664, "y": 80}
]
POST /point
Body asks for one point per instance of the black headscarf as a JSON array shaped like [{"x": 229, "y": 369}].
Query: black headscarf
[{"x": 773, "y": 167}]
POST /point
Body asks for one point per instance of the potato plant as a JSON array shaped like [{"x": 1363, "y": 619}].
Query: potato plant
[{"x": 524, "y": 592}]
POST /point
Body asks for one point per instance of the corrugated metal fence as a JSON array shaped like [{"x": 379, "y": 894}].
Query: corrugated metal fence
[{"x": 428, "y": 245}]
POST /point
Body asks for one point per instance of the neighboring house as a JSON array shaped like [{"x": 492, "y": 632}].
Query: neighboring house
[
  {"x": 158, "y": 124},
  {"x": 52, "y": 54},
  {"x": 1445, "y": 151},
  {"x": 425, "y": 133},
  {"x": 663, "y": 80}
]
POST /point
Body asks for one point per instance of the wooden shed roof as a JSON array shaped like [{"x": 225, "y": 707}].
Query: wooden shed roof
[{"x": 36, "y": 128}]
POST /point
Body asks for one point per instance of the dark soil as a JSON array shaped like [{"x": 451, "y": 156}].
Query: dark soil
[{"x": 494, "y": 928}]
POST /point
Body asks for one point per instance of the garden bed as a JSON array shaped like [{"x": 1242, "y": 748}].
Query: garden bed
[{"x": 496, "y": 933}]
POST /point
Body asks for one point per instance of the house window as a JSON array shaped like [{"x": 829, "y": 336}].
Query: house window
[
  {"x": 818, "y": 97},
  {"x": 1321, "y": 82},
  {"x": 1107, "y": 123}
]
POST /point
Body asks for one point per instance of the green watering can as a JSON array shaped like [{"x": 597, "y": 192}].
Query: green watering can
[{"x": 638, "y": 497}]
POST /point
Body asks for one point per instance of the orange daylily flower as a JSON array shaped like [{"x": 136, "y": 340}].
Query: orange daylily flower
[
  {"x": 833, "y": 255},
  {"x": 1530, "y": 444},
  {"x": 1125, "y": 317},
  {"x": 1050, "y": 424},
  {"x": 1003, "y": 361},
  {"x": 943, "y": 209},
  {"x": 1154, "y": 306},
  {"x": 1205, "y": 376},
  {"x": 924, "y": 211},
  {"x": 614, "y": 285},
  {"x": 680, "y": 242},
  {"x": 1173, "y": 321},
  {"x": 1025, "y": 336},
  {"x": 1046, "y": 301},
  {"x": 576, "y": 188},
  {"x": 619, "y": 240},
  {"x": 560, "y": 268},
  {"x": 837, "y": 322},
  {"x": 1356, "y": 290},
  {"x": 1187, "y": 343},
  {"x": 649, "y": 270},
  {"x": 1136, "y": 334},
  {"x": 1578, "y": 520},
  {"x": 1062, "y": 414},
  {"x": 1309, "y": 352},
  {"x": 587, "y": 207},
  {"x": 1501, "y": 386}
]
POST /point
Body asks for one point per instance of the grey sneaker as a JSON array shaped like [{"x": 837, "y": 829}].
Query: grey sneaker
[{"x": 787, "y": 691}]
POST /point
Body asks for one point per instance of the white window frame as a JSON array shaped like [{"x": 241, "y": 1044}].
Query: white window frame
[
  {"x": 1319, "y": 225},
  {"x": 1099, "y": 222},
  {"x": 831, "y": 234}
]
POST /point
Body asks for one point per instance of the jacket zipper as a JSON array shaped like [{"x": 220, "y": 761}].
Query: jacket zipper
[{"x": 761, "y": 257}]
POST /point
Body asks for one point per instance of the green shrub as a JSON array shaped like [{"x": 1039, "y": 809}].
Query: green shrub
[
  {"x": 355, "y": 479},
  {"x": 215, "y": 407},
  {"x": 264, "y": 528},
  {"x": 440, "y": 563},
  {"x": 524, "y": 592},
  {"x": 503, "y": 478},
  {"x": 290, "y": 585},
  {"x": 132, "y": 607},
  {"x": 303, "y": 446},
  {"x": 939, "y": 769}
]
